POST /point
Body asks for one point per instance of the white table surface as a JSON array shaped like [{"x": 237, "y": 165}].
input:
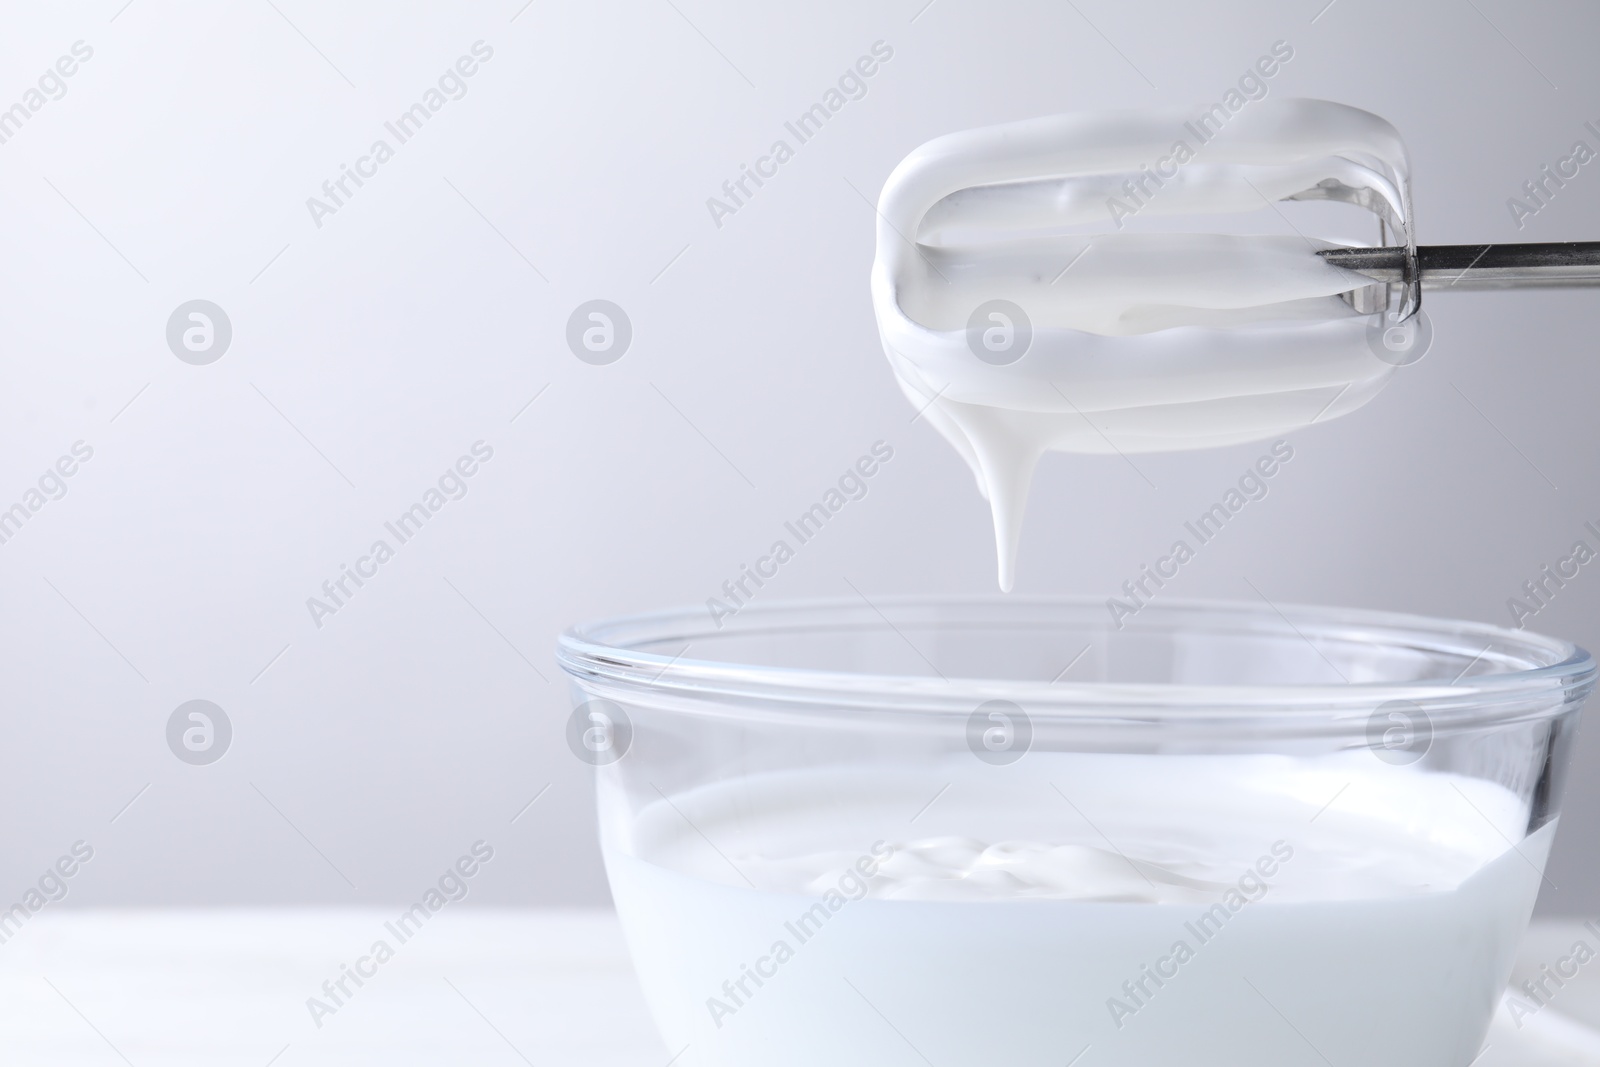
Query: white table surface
[{"x": 229, "y": 987}]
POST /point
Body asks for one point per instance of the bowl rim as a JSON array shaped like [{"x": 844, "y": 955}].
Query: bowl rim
[{"x": 606, "y": 659}]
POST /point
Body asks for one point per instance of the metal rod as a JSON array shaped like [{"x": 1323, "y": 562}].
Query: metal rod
[{"x": 1507, "y": 266}]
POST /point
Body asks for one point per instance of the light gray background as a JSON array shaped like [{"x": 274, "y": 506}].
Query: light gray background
[{"x": 371, "y": 352}]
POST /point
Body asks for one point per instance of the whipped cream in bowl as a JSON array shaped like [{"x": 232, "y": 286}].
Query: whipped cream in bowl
[{"x": 1023, "y": 315}]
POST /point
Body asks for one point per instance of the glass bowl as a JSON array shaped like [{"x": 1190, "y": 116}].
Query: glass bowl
[{"x": 1003, "y": 830}]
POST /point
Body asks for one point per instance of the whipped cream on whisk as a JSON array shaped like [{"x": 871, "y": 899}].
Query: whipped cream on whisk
[{"x": 1019, "y": 326}]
